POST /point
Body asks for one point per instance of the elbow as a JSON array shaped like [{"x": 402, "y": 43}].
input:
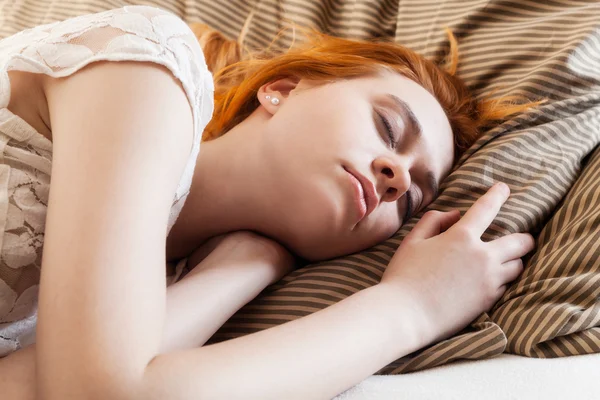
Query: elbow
[
  {"x": 85, "y": 391},
  {"x": 85, "y": 373},
  {"x": 90, "y": 383}
]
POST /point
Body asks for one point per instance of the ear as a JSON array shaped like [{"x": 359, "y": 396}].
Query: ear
[{"x": 279, "y": 89}]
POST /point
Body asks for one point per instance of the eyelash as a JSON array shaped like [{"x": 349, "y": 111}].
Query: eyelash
[
  {"x": 409, "y": 206},
  {"x": 388, "y": 129}
]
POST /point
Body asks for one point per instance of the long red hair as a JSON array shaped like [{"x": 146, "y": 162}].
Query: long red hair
[{"x": 238, "y": 75}]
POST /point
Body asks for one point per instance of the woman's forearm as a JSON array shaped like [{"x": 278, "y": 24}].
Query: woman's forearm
[
  {"x": 315, "y": 357},
  {"x": 206, "y": 298},
  {"x": 197, "y": 306}
]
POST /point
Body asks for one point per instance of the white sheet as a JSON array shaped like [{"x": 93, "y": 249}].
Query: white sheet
[{"x": 505, "y": 377}]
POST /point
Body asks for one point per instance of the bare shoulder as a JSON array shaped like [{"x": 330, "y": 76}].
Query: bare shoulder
[
  {"x": 124, "y": 80},
  {"x": 125, "y": 124}
]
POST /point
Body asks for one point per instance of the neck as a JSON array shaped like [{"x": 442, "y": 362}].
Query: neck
[{"x": 225, "y": 195}]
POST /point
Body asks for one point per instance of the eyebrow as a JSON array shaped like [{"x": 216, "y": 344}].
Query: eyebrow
[
  {"x": 417, "y": 129},
  {"x": 407, "y": 114}
]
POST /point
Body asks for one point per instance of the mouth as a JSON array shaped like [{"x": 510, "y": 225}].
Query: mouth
[{"x": 364, "y": 197}]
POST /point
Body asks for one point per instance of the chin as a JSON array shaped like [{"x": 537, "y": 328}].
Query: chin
[{"x": 317, "y": 230}]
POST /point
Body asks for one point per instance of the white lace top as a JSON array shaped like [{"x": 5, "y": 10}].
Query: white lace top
[{"x": 134, "y": 33}]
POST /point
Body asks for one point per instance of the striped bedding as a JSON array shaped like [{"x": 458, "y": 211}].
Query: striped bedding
[{"x": 550, "y": 156}]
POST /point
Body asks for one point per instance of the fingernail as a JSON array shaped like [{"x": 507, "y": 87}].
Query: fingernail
[{"x": 504, "y": 188}]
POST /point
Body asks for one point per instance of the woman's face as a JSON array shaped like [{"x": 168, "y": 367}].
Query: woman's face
[{"x": 344, "y": 182}]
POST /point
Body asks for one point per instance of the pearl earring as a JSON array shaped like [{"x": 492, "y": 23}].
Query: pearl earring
[{"x": 274, "y": 100}]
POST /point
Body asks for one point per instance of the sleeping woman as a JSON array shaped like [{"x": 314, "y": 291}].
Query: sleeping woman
[{"x": 318, "y": 151}]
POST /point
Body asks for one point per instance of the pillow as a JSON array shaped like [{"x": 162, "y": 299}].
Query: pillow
[{"x": 553, "y": 310}]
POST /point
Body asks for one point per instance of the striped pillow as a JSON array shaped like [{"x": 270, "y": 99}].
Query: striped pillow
[
  {"x": 553, "y": 310},
  {"x": 539, "y": 49}
]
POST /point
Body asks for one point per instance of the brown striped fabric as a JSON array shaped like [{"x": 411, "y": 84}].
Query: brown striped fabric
[
  {"x": 554, "y": 308},
  {"x": 537, "y": 48}
]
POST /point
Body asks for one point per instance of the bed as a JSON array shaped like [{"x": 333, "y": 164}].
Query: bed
[
  {"x": 542, "y": 339},
  {"x": 500, "y": 378}
]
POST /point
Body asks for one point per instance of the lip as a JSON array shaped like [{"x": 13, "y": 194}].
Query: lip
[{"x": 364, "y": 193}]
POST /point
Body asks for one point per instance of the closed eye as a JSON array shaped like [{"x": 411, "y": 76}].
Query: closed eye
[
  {"x": 409, "y": 205},
  {"x": 391, "y": 140},
  {"x": 412, "y": 206}
]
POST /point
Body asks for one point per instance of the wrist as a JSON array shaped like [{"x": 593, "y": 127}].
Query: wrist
[
  {"x": 251, "y": 271},
  {"x": 407, "y": 317}
]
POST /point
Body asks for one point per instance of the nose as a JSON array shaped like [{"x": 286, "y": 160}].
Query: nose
[{"x": 392, "y": 176}]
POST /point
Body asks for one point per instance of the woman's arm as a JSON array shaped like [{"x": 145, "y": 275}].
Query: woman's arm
[
  {"x": 122, "y": 134},
  {"x": 314, "y": 357},
  {"x": 347, "y": 344},
  {"x": 197, "y": 306},
  {"x": 230, "y": 270},
  {"x": 200, "y": 303}
]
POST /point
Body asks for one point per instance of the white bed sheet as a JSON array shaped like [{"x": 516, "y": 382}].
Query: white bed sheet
[{"x": 505, "y": 377}]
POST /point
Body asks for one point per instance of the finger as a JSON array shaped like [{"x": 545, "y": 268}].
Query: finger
[
  {"x": 484, "y": 210},
  {"x": 509, "y": 271},
  {"x": 512, "y": 246},
  {"x": 433, "y": 223},
  {"x": 450, "y": 219}
]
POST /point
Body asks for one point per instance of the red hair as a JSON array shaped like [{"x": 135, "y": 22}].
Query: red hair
[{"x": 326, "y": 58}]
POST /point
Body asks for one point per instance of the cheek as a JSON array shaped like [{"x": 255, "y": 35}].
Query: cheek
[
  {"x": 334, "y": 122},
  {"x": 387, "y": 221}
]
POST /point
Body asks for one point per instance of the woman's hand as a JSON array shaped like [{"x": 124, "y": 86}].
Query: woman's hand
[
  {"x": 244, "y": 247},
  {"x": 454, "y": 276},
  {"x": 228, "y": 271}
]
